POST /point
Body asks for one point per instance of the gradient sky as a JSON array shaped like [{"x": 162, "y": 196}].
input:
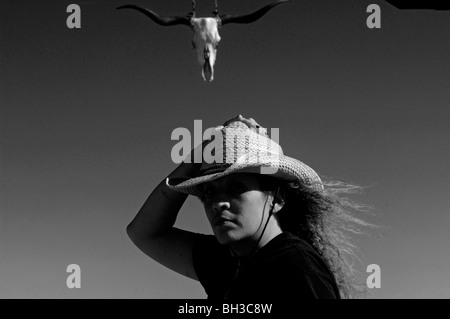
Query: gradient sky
[{"x": 87, "y": 114}]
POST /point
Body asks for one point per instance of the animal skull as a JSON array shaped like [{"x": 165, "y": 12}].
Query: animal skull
[
  {"x": 206, "y": 30},
  {"x": 205, "y": 41}
]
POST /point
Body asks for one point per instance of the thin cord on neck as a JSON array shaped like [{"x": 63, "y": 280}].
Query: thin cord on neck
[
  {"x": 260, "y": 237},
  {"x": 264, "y": 229}
]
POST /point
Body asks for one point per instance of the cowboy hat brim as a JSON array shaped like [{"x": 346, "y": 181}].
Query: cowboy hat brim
[{"x": 279, "y": 166}]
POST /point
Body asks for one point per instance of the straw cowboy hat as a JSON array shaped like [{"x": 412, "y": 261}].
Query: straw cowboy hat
[{"x": 238, "y": 149}]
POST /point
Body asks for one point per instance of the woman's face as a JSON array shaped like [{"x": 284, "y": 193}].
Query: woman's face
[{"x": 236, "y": 207}]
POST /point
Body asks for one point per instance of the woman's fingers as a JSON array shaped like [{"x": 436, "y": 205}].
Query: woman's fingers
[
  {"x": 250, "y": 122},
  {"x": 234, "y": 119}
]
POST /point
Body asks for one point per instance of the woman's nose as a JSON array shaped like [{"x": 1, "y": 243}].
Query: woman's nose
[{"x": 219, "y": 206}]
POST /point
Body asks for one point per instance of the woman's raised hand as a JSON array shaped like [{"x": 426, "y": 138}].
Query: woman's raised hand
[{"x": 250, "y": 122}]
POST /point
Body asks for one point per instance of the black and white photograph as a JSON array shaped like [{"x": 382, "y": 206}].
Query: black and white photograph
[{"x": 224, "y": 150}]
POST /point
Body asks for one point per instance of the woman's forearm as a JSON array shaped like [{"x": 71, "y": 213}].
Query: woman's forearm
[{"x": 160, "y": 210}]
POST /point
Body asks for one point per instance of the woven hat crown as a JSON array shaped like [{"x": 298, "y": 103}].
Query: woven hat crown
[{"x": 236, "y": 143}]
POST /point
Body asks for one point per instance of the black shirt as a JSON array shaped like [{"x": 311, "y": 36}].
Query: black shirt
[{"x": 286, "y": 267}]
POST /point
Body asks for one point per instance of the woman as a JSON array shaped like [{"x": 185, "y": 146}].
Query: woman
[{"x": 278, "y": 228}]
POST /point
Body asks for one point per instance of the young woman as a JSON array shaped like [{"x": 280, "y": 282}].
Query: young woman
[{"x": 279, "y": 230}]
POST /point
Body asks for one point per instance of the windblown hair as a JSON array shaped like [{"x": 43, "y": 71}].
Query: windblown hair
[{"x": 326, "y": 219}]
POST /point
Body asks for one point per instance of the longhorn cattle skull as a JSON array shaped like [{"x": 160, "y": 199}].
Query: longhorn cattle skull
[{"x": 206, "y": 30}]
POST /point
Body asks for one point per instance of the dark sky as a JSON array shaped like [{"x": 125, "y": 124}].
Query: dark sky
[{"x": 87, "y": 114}]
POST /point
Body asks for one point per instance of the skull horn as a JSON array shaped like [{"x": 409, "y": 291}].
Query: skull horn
[
  {"x": 164, "y": 21},
  {"x": 251, "y": 17}
]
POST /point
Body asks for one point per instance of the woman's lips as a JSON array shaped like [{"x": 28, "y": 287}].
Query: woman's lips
[{"x": 221, "y": 221}]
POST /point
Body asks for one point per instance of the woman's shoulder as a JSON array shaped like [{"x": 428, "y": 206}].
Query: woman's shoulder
[
  {"x": 213, "y": 264},
  {"x": 294, "y": 251},
  {"x": 207, "y": 247},
  {"x": 298, "y": 265}
]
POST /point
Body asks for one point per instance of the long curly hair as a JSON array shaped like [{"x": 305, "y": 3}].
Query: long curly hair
[{"x": 327, "y": 219}]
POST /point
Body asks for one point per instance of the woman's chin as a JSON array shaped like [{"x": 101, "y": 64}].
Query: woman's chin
[{"x": 226, "y": 235}]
